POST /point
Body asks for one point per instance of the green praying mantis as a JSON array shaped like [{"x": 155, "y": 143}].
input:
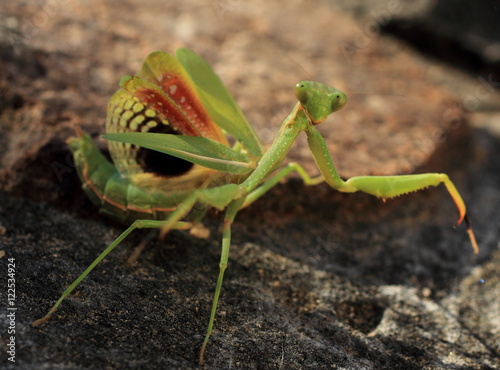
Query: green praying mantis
[{"x": 167, "y": 128}]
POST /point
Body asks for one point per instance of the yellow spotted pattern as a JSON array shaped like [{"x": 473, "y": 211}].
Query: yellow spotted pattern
[{"x": 127, "y": 114}]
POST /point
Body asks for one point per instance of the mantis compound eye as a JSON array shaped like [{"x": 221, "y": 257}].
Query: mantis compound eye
[
  {"x": 338, "y": 100},
  {"x": 302, "y": 91}
]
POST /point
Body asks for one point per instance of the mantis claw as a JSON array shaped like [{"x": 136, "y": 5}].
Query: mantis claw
[{"x": 472, "y": 237}]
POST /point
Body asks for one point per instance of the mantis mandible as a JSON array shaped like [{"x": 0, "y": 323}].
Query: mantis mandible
[{"x": 167, "y": 128}]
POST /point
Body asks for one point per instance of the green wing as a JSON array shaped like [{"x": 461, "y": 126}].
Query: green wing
[
  {"x": 196, "y": 149},
  {"x": 218, "y": 102}
]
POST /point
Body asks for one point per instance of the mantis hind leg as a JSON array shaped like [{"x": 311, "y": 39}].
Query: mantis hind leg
[
  {"x": 391, "y": 186},
  {"x": 138, "y": 224}
]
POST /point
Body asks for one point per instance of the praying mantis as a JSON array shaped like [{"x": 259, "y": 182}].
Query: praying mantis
[{"x": 168, "y": 129}]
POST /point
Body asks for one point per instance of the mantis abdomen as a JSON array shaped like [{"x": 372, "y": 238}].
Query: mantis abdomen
[{"x": 116, "y": 195}]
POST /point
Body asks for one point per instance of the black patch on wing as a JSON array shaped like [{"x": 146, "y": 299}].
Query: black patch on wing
[{"x": 159, "y": 163}]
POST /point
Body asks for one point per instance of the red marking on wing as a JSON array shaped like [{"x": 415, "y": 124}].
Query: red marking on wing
[
  {"x": 171, "y": 111},
  {"x": 187, "y": 99}
]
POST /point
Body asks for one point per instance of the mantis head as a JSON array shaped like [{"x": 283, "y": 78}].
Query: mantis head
[{"x": 319, "y": 100}]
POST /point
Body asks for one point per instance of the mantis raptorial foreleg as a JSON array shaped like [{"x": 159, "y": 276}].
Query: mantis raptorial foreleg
[
  {"x": 391, "y": 186},
  {"x": 384, "y": 186}
]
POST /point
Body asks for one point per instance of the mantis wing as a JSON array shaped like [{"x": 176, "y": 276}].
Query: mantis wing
[
  {"x": 199, "y": 150},
  {"x": 218, "y": 102},
  {"x": 164, "y": 71}
]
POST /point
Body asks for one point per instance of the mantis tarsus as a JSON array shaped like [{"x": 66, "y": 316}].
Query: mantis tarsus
[{"x": 167, "y": 128}]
